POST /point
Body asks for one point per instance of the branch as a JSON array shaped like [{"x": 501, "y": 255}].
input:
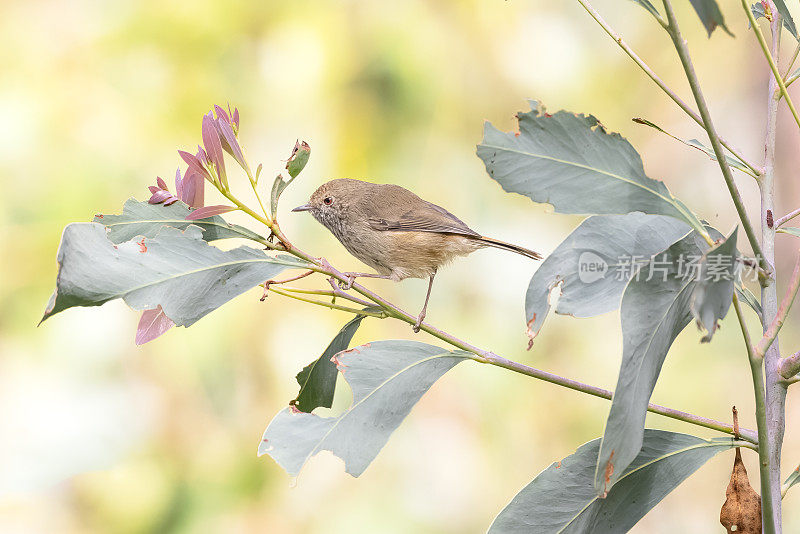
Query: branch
[
  {"x": 780, "y": 221},
  {"x": 683, "y": 52},
  {"x": 775, "y": 326},
  {"x": 771, "y": 60},
  {"x": 790, "y": 366},
  {"x": 491, "y": 358},
  {"x": 321, "y": 265},
  {"x": 659, "y": 82}
]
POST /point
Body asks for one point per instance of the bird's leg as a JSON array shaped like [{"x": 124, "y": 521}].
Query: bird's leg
[
  {"x": 424, "y": 306},
  {"x": 351, "y": 277}
]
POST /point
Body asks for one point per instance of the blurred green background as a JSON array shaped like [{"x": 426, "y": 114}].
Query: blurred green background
[{"x": 98, "y": 435}]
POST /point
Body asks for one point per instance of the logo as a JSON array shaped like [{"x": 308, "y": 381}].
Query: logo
[{"x": 591, "y": 267}]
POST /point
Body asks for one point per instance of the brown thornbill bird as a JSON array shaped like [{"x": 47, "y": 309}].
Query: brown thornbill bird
[{"x": 395, "y": 232}]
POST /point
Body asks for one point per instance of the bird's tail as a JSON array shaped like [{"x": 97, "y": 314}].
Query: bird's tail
[{"x": 489, "y": 242}]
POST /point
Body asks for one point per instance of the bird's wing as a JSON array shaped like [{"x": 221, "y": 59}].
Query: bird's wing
[{"x": 434, "y": 219}]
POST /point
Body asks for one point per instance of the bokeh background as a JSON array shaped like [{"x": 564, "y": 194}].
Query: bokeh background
[{"x": 98, "y": 435}]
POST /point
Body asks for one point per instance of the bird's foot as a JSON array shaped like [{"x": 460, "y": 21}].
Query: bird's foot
[
  {"x": 350, "y": 277},
  {"x": 343, "y": 284}
]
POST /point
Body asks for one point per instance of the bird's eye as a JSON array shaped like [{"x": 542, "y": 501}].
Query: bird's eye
[{"x": 327, "y": 201}]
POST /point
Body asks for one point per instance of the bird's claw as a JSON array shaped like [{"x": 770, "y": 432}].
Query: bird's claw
[
  {"x": 349, "y": 283},
  {"x": 418, "y": 325}
]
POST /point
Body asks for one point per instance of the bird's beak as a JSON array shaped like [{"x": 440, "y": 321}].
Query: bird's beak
[{"x": 304, "y": 207}]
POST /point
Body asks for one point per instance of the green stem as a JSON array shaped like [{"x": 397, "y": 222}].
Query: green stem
[
  {"x": 767, "y": 504},
  {"x": 659, "y": 82},
  {"x": 683, "y": 53},
  {"x": 780, "y": 317},
  {"x": 357, "y": 311},
  {"x": 771, "y": 60},
  {"x": 791, "y": 61}
]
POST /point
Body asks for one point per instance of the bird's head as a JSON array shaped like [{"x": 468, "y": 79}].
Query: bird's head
[{"x": 330, "y": 203}]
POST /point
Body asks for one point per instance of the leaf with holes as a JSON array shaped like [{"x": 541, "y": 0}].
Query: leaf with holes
[
  {"x": 594, "y": 263},
  {"x": 318, "y": 379},
  {"x": 561, "y": 498},
  {"x": 571, "y": 162},
  {"x": 654, "y": 310},
  {"x": 177, "y": 270},
  {"x": 387, "y": 379}
]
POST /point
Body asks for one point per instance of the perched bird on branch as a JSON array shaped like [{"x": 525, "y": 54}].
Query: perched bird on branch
[{"x": 395, "y": 232}]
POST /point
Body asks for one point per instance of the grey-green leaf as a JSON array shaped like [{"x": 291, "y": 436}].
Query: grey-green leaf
[
  {"x": 654, "y": 310},
  {"x": 732, "y": 160},
  {"x": 713, "y": 292},
  {"x": 788, "y": 22},
  {"x": 278, "y": 186},
  {"x": 143, "y": 219},
  {"x": 318, "y": 379},
  {"x": 710, "y": 15},
  {"x": 594, "y": 263},
  {"x": 791, "y": 480},
  {"x": 746, "y": 296},
  {"x": 790, "y": 230},
  {"x": 561, "y": 498},
  {"x": 387, "y": 379},
  {"x": 177, "y": 270},
  {"x": 571, "y": 162},
  {"x": 649, "y": 7}
]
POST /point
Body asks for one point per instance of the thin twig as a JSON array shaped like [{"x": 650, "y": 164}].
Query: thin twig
[
  {"x": 776, "y": 324},
  {"x": 780, "y": 221},
  {"x": 659, "y": 82},
  {"x": 791, "y": 61},
  {"x": 771, "y": 60},
  {"x": 356, "y": 311},
  {"x": 683, "y": 53}
]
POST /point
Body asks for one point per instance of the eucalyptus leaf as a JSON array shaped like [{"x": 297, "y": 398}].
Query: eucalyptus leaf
[
  {"x": 710, "y": 15},
  {"x": 387, "y": 379},
  {"x": 792, "y": 479},
  {"x": 649, "y": 7},
  {"x": 732, "y": 160},
  {"x": 561, "y": 499},
  {"x": 746, "y": 296},
  {"x": 571, "y": 162},
  {"x": 713, "y": 292},
  {"x": 146, "y": 220},
  {"x": 177, "y": 270},
  {"x": 594, "y": 263},
  {"x": 790, "y": 230},
  {"x": 278, "y": 186},
  {"x": 654, "y": 310},
  {"x": 318, "y": 379}
]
